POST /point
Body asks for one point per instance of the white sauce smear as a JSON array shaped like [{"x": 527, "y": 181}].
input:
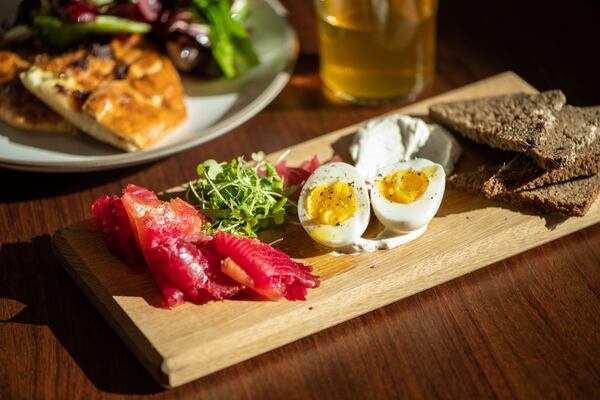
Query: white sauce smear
[{"x": 387, "y": 239}]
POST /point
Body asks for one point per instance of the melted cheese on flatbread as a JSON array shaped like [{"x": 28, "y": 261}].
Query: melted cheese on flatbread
[{"x": 129, "y": 101}]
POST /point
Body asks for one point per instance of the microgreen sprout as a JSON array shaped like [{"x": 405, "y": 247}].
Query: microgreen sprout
[{"x": 240, "y": 197}]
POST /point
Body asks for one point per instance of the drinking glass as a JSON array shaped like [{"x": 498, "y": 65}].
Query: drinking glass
[{"x": 377, "y": 51}]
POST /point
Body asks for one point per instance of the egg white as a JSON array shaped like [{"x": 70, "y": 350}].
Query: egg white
[
  {"x": 404, "y": 218},
  {"x": 351, "y": 229}
]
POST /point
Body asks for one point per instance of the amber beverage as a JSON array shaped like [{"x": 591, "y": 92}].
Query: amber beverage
[{"x": 377, "y": 51}]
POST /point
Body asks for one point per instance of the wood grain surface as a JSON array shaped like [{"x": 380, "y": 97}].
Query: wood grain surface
[{"x": 525, "y": 327}]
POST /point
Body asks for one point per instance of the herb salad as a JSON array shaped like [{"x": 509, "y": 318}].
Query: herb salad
[{"x": 241, "y": 197}]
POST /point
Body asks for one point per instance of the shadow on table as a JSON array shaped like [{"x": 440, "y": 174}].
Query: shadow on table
[{"x": 31, "y": 276}]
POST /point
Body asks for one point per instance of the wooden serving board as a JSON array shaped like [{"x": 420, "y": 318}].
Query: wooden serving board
[{"x": 190, "y": 341}]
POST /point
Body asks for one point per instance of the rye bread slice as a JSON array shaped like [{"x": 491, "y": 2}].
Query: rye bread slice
[
  {"x": 522, "y": 173},
  {"x": 571, "y": 198},
  {"x": 576, "y": 129},
  {"x": 515, "y": 122}
]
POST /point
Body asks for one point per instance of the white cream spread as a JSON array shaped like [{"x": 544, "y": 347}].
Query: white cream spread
[{"x": 398, "y": 137}]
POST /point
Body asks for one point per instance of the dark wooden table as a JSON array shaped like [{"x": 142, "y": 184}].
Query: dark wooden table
[{"x": 526, "y": 327}]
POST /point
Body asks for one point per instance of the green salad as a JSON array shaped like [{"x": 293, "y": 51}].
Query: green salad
[{"x": 241, "y": 197}]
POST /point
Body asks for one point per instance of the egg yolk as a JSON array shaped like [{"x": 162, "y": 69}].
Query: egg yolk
[
  {"x": 406, "y": 185},
  {"x": 331, "y": 204}
]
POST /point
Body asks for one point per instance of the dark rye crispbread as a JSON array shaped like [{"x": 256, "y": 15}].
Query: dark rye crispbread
[
  {"x": 522, "y": 173},
  {"x": 576, "y": 129},
  {"x": 513, "y": 122},
  {"x": 571, "y": 198}
]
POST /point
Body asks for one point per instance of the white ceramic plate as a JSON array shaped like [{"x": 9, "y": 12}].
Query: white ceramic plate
[{"x": 214, "y": 107}]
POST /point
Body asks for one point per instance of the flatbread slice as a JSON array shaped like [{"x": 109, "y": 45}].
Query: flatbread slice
[
  {"x": 514, "y": 122},
  {"x": 130, "y": 99},
  {"x": 18, "y": 107}
]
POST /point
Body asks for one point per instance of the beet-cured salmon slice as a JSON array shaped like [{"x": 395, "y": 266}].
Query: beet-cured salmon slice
[
  {"x": 141, "y": 192},
  {"x": 136, "y": 223},
  {"x": 194, "y": 268},
  {"x": 118, "y": 235},
  {"x": 155, "y": 221},
  {"x": 264, "y": 269}
]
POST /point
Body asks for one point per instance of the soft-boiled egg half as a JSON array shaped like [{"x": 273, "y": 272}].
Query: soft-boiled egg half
[
  {"x": 334, "y": 206},
  {"x": 407, "y": 194}
]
